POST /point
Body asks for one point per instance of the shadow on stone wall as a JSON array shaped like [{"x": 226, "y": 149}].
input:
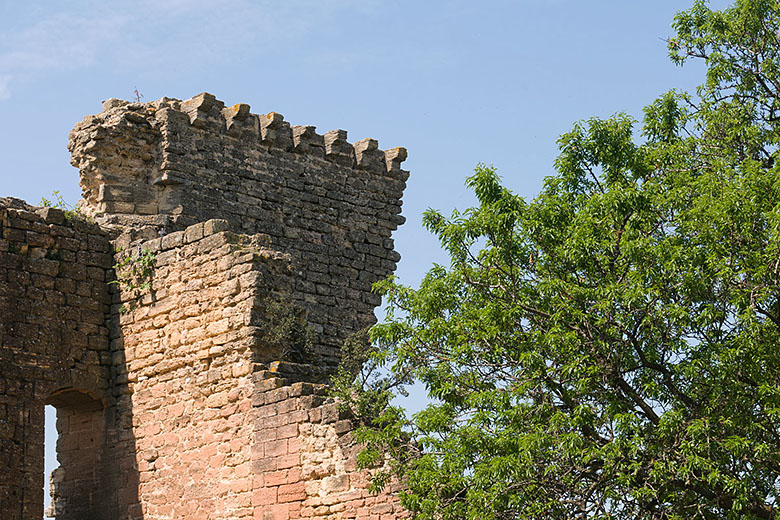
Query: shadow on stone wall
[{"x": 54, "y": 349}]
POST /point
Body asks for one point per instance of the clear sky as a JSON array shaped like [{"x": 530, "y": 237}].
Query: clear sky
[{"x": 455, "y": 82}]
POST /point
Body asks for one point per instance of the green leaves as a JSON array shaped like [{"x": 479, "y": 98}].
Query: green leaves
[
  {"x": 134, "y": 272},
  {"x": 70, "y": 212},
  {"x": 610, "y": 348}
]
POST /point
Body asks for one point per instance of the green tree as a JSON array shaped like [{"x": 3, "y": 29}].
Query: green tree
[{"x": 609, "y": 349}]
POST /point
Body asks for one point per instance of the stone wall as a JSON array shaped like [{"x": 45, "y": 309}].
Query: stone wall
[
  {"x": 185, "y": 329},
  {"x": 53, "y": 345},
  {"x": 187, "y": 348},
  {"x": 223, "y": 428}
]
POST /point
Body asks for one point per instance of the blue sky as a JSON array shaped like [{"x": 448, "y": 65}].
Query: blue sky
[{"x": 455, "y": 82}]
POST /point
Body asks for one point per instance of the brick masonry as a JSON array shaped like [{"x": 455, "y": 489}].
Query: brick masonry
[{"x": 186, "y": 332}]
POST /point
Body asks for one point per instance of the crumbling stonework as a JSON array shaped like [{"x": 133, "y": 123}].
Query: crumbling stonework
[{"x": 186, "y": 330}]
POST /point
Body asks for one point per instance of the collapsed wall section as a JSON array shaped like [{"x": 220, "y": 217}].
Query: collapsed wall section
[
  {"x": 330, "y": 204},
  {"x": 53, "y": 342},
  {"x": 305, "y": 455}
]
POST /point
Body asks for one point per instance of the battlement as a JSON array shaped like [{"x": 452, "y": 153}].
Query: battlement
[
  {"x": 273, "y": 132},
  {"x": 157, "y": 128}
]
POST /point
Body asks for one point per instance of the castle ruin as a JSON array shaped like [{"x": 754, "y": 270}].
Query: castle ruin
[{"x": 186, "y": 328}]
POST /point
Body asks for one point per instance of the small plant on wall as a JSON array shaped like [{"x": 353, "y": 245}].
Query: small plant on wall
[
  {"x": 286, "y": 332},
  {"x": 58, "y": 202},
  {"x": 134, "y": 272}
]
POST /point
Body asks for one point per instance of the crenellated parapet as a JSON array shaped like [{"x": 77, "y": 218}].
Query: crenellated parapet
[
  {"x": 158, "y": 122},
  {"x": 129, "y": 149},
  {"x": 272, "y": 131},
  {"x": 158, "y": 167}
]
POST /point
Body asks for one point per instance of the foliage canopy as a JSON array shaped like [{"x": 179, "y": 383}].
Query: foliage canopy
[{"x": 609, "y": 349}]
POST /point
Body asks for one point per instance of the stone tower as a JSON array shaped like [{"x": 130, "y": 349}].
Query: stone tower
[{"x": 185, "y": 330}]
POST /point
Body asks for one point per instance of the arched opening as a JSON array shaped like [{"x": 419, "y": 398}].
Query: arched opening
[
  {"x": 49, "y": 452},
  {"x": 76, "y": 493}
]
